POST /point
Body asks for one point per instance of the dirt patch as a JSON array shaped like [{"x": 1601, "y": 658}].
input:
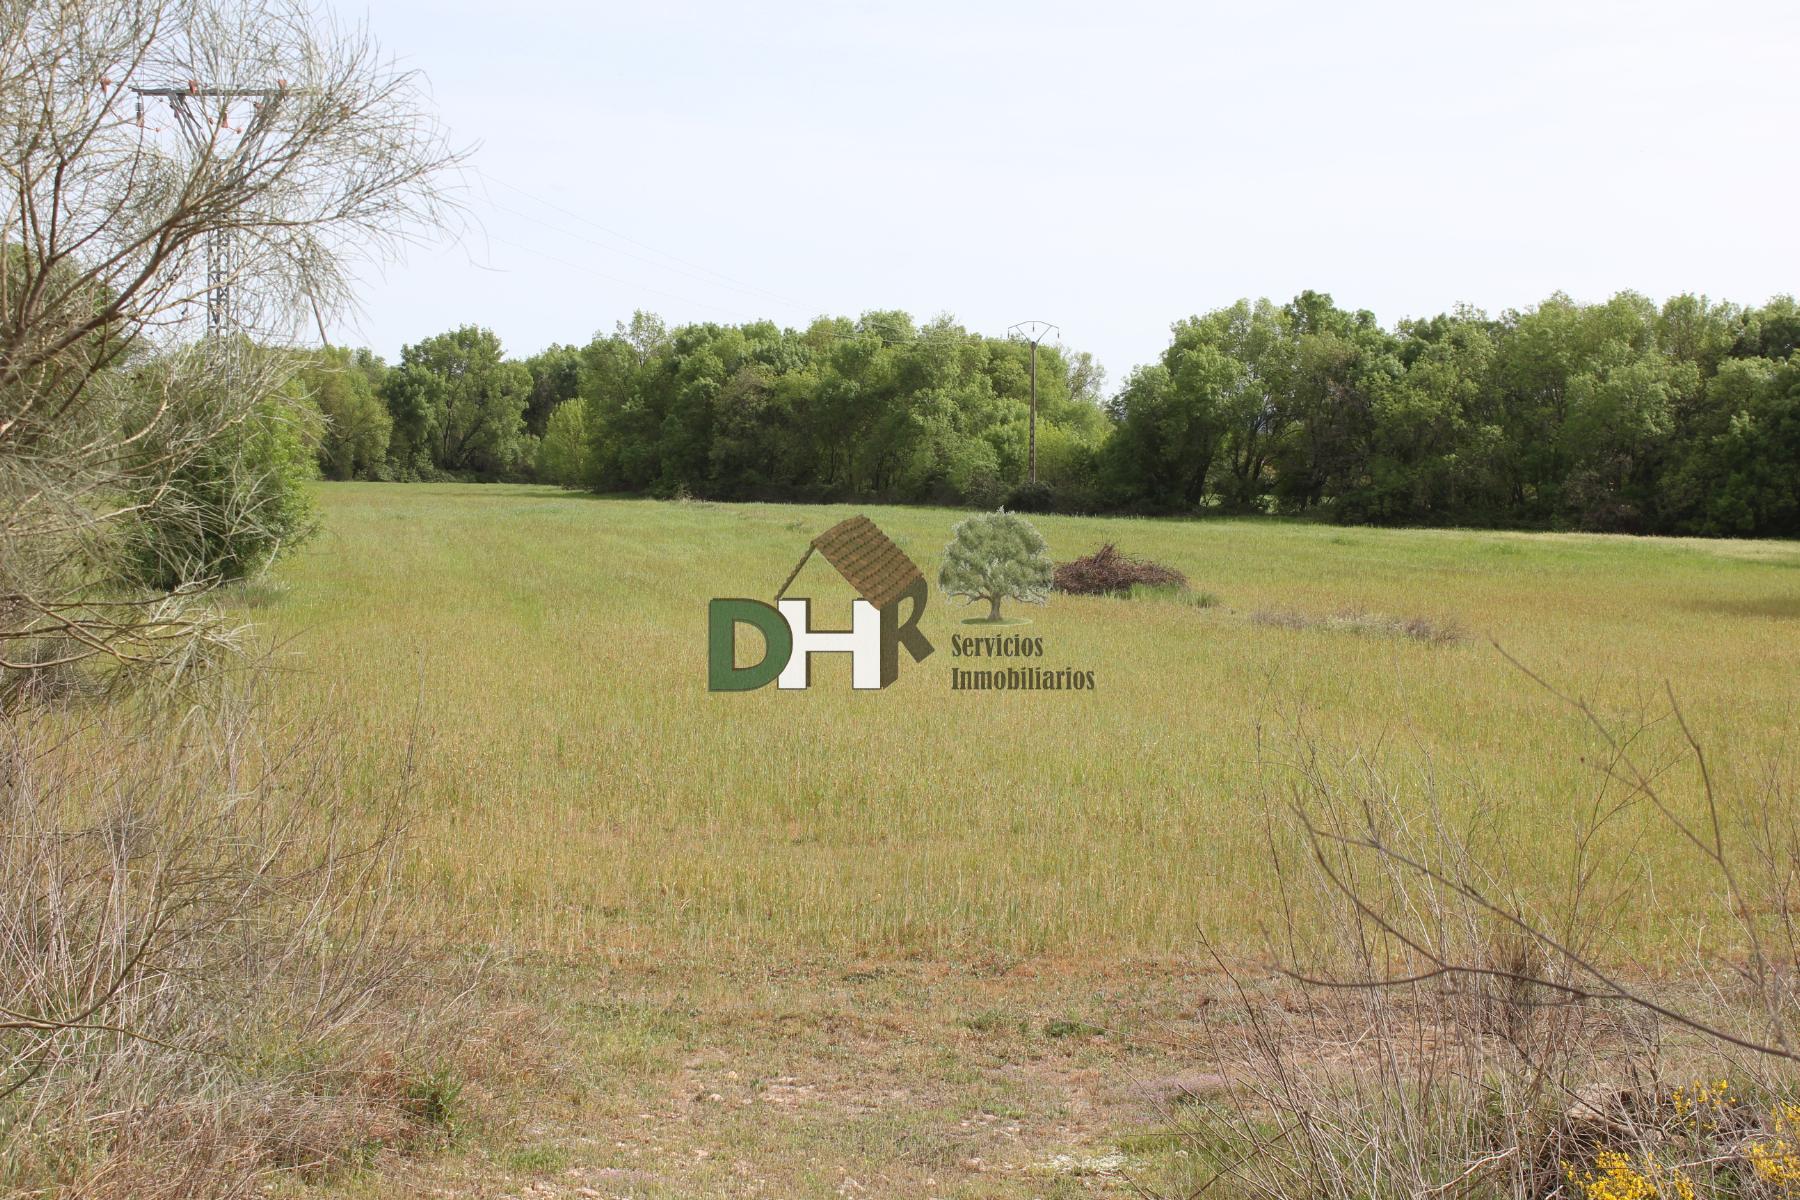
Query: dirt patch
[
  {"x": 1184, "y": 1087},
  {"x": 914, "y": 1079}
]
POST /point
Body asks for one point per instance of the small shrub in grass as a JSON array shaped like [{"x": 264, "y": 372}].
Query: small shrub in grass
[
  {"x": 1070, "y": 1028},
  {"x": 538, "y": 1160},
  {"x": 991, "y": 1021},
  {"x": 1107, "y": 572},
  {"x": 434, "y": 1098},
  {"x": 1173, "y": 594}
]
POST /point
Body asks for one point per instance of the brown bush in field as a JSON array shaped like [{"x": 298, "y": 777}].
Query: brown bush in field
[{"x": 1107, "y": 572}]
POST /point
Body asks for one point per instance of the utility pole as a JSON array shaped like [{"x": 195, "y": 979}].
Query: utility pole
[
  {"x": 1033, "y": 332},
  {"x": 202, "y": 123}
]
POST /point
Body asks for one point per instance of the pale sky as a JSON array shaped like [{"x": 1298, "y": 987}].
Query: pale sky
[{"x": 1107, "y": 166}]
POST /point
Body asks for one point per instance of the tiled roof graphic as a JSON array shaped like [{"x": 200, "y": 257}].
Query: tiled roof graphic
[{"x": 863, "y": 555}]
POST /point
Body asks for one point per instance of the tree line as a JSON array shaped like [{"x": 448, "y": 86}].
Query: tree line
[{"x": 1621, "y": 415}]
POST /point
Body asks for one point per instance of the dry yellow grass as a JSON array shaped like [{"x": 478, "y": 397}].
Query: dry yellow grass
[{"x": 576, "y": 787}]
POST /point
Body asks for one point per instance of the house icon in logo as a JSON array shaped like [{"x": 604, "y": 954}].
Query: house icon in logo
[{"x": 884, "y": 579}]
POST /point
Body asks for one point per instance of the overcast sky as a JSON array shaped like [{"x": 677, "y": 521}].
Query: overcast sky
[{"x": 1108, "y": 166}]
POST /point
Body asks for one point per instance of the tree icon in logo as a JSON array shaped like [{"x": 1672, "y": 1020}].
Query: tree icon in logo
[{"x": 993, "y": 557}]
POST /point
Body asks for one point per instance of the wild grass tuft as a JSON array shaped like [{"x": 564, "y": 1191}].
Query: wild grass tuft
[{"x": 1356, "y": 620}]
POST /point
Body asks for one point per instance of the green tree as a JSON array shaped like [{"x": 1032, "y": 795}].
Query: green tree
[
  {"x": 1739, "y": 473},
  {"x": 562, "y": 453},
  {"x": 624, "y": 432},
  {"x": 993, "y": 557},
  {"x": 1250, "y": 401},
  {"x": 458, "y": 406},
  {"x": 1167, "y": 435},
  {"x": 1431, "y": 441},
  {"x": 1326, "y": 420},
  {"x": 1621, "y": 411},
  {"x": 345, "y": 386},
  {"x": 1771, "y": 332},
  {"x": 555, "y": 378},
  {"x": 1209, "y": 418}
]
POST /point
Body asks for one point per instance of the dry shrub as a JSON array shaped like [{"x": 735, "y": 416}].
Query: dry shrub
[
  {"x": 45, "y": 670},
  {"x": 1448, "y": 1025},
  {"x": 198, "y": 980},
  {"x": 204, "y": 980},
  {"x": 1107, "y": 572}
]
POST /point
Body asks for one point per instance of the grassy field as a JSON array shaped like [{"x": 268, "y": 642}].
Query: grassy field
[
  {"x": 541, "y": 656},
  {"x": 934, "y": 942}
]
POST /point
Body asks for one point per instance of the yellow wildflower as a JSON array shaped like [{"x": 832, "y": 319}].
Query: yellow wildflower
[
  {"x": 1775, "y": 1161},
  {"x": 1616, "y": 1177},
  {"x": 1613, "y": 1178}
]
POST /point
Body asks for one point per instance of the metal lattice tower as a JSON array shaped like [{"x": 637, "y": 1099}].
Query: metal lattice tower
[
  {"x": 201, "y": 123},
  {"x": 219, "y": 268}
]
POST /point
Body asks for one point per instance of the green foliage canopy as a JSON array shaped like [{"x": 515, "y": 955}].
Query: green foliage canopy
[
  {"x": 458, "y": 407},
  {"x": 1619, "y": 415},
  {"x": 345, "y": 386}
]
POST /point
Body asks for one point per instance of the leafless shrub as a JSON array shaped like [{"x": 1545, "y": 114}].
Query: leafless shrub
[
  {"x": 203, "y": 980},
  {"x": 1454, "y": 1025}
]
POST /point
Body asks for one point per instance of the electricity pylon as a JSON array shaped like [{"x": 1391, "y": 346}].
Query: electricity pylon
[
  {"x": 1033, "y": 332},
  {"x": 202, "y": 125}
]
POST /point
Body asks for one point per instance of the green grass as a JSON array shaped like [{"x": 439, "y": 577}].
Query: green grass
[{"x": 576, "y": 789}]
